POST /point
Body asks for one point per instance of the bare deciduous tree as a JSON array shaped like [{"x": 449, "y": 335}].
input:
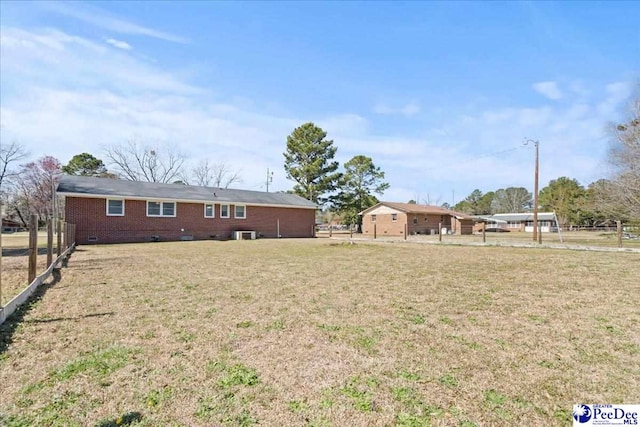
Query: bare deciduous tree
[
  {"x": 34, "y": 188},
  {"x": 215, "y": 174},
  {"x": 624, "y": 156},
  {"x": 511, "y": 200},
  {"x": 9, "y": 154},
  {"x": 138, "y": 161}
]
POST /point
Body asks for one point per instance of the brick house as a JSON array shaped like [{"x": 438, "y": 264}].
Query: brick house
[
  {"x": 11, "y": 226},
  {"x": 391, "y": 219},
  {"x": 118, "y": 211}
]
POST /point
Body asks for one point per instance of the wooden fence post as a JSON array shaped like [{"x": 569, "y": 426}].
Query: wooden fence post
[
  {"x": 539, "y": 234},
  {"x": 374, "y": 230},
  {"x": 33, "y": 247},
  {"x": 65, "y": 237},
  {"x": 1, "y": 254},
  {"x": 49, "y": 241},
  {"x": 406, "y": 231},
  {"x": 59, "y": 231},
  {"x": 351, "y": 231},
  {"x": 330, "y": 230},
  {"x": 619, "y": 231},
  {"x": 440, "y": 231}
]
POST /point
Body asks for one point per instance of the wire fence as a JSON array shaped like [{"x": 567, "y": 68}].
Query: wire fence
[{"x": 20, "y": 262}]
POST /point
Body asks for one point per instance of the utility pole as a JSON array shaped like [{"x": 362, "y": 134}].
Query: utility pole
[
  {"x": 535, "y": 190},
  {"x": 269, "y": 178}
]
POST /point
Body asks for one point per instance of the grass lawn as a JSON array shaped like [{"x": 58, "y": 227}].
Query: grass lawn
[{"x": 319, "y": 332}]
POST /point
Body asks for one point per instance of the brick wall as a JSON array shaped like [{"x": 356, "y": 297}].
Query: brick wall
[
  {"x": 385, "y": 226},
  {"x": 89, "y": 215},
  {"x": 422, "y": 226}
]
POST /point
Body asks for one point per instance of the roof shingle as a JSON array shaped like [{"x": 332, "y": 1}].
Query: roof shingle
[
  {"x": 421, "y": 209},
  {"x": 83, "y": 186}
]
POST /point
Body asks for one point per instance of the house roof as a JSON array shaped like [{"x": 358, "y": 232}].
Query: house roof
[
  {"x": 82, "y": 186},
  {"x": 6, "y": 222},
  {"x": 526, "y": 216},
  {"x": 419, "y": 209}
]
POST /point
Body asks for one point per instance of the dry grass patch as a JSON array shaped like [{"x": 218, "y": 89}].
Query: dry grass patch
[
  {"x": 15, "y": 262},
  {"x": 320, "y": 333},
  {"x": 15, "y": 272}
]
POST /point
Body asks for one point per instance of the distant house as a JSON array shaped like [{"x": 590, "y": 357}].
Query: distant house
[
  {"x": 393, "y": 219},
  {"x": 11, "y": 226},
  {"x": 118, "y": 211},
  {"x": 547, "y": 222}
]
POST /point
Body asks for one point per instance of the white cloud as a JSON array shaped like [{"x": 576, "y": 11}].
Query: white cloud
[
  {"x": 579, "y": 89},
  {"x": 548, "y": 89},
  {"x": 408, "y": 110},
  {"x": 119, "y": 44},
  {"x": 616, "y": 94},
  {"x": 100, "y": 18},
  {"x": 62, "y": 59}
]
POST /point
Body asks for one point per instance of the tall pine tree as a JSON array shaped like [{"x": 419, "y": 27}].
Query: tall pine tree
[
  {"x": 85, "y": 164},
  {"x": 309, "y": 162}
]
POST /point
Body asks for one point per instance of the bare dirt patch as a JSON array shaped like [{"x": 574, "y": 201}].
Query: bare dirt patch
[{"x": 319, "y": 332}]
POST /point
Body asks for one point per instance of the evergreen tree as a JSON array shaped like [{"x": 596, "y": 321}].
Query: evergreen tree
[
  {"x": 309, "y": 162},
  {"x": 360, "y": 181},
  {"x": 85, "y": 165},
  {"x": 563, "y": 196}
]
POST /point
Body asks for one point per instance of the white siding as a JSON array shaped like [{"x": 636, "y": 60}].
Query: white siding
[{"x": 383, "y": 210}]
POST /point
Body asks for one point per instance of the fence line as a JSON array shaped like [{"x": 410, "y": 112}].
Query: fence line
[{"x": 37, "y": 281}]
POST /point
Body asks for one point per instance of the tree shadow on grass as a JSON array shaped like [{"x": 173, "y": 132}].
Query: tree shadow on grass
[
  {"x": 60, "y": 319},
  {"x": 124, "y": 420}
]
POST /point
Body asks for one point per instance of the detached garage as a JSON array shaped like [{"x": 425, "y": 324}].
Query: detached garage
[{"x": 118, "y": 211}]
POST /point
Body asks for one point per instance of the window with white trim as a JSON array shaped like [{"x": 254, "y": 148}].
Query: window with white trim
[
  {"x": 115, "y": 207},
  {"x": 394, "y": 217},
  {"x": 209, "y": 210},
  {"x": 161, "y": 209},
  {"x": 224, "y": 211},
  {"x": 373, "y": 218},
  {"x": 240, "y": 211}
]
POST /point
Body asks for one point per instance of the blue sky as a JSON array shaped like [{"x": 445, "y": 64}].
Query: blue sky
[{"x": 440, "y": 95}]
